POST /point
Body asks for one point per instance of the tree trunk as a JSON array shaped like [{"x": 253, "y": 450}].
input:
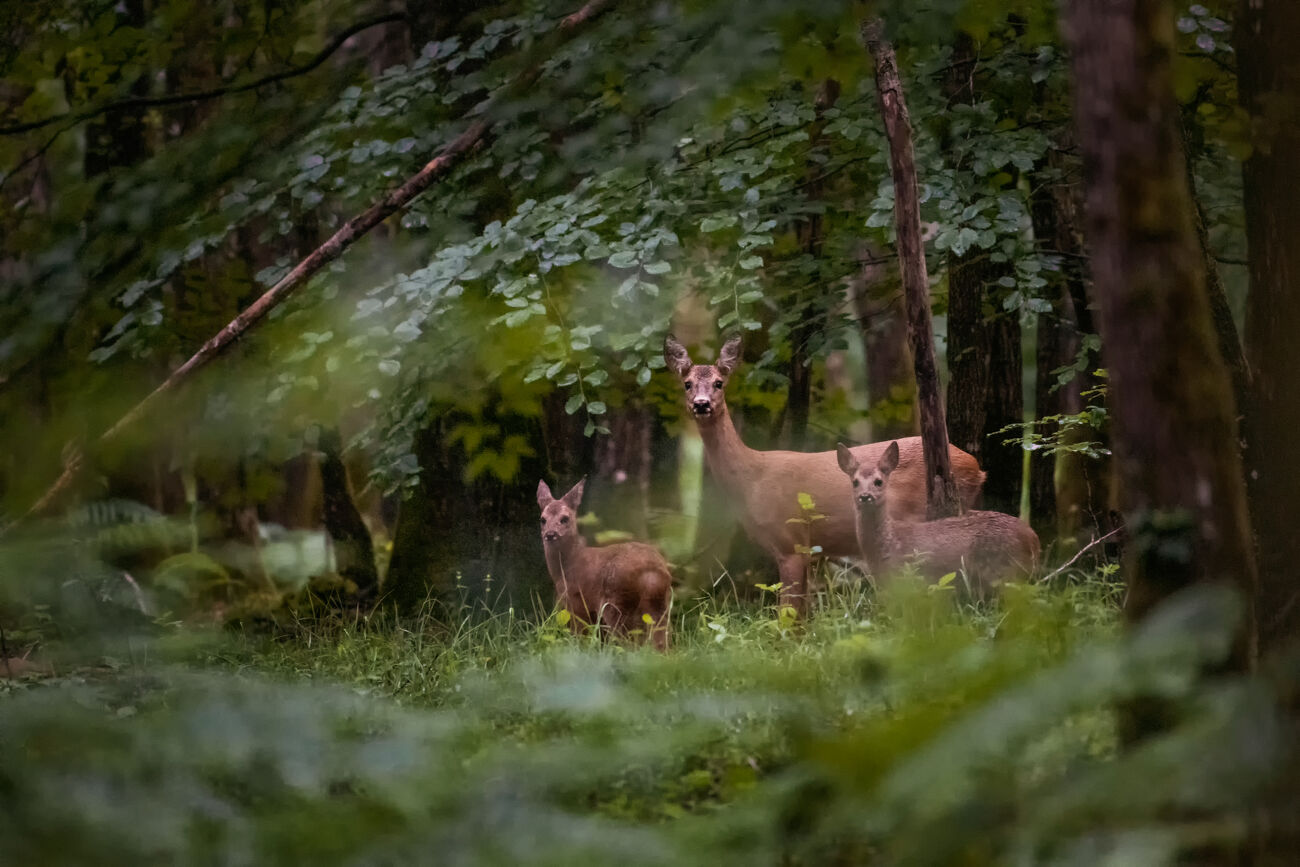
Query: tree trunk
[
  {"x": 620, "y": 495},
  {"x": 985, "y": 393},
  {"x": 354, "y": 552},
  {"x": 1174, "y": 423},
  {"x": 891, "y": 386},
  {"x": 417, "y": 536},
  {"x": 810, "y": 233},
  {"x": 941, "y": 490},
  {"x": 1270, "y": 91}
]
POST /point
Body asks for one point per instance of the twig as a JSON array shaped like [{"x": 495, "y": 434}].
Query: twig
[
  {"x": 1068, "y": 563},
  {"x": 139, "y": 594},
  {"x": 76, "y": 117},
  {"x": 395, "y": 201}
]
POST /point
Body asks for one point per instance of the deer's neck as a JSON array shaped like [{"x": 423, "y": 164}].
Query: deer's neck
[
  {"x": 875, "y": 537},
  {"x": 729, "y": 459},
  {"x": 566, "y": 560}
]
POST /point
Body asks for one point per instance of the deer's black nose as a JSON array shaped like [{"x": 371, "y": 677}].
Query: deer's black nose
[
  {"x": 550, "y": 535},
  {"x": 866, "y": 498},
  {"x": 702, "y": 406}
]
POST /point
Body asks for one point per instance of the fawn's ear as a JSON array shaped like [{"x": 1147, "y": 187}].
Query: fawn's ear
[
  {"x": 679, "y": 362},
  {"x": 574, "y": 497},
  {"x": 889, "y": 460},
  {"x": 729, "y": 356},
  {"x": 848, "y": 463},
  {"x": 544, "y": 495}
]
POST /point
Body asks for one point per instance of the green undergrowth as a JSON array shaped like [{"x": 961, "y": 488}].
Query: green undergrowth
[{"x": 899, "y": 728}]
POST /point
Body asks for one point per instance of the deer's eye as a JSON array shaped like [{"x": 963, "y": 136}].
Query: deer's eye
[
  {"x": 543, "y": 519},
  {"x": 855, "y": 483},
  {"x": 564, "y": 520},
  {"x": 878, "y": 483},
  {"x": 717, "y": 384},
  {"x": 687, "y": 385}
]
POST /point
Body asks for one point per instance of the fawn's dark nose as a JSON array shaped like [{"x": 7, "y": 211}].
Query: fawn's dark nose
[
  {"x": 550, "y": 535},
  {"x": 866, "y": 498},
  {"x": 702, "y": 406}
]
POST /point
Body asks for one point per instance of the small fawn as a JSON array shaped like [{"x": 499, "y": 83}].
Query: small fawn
[
  {"x": 987, "y": 546},
  {"x": 616, "y": 586}
]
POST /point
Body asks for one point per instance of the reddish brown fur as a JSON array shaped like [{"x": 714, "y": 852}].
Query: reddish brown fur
[
  {"x": 767, "y": 484},
  {"x": 616, "y": 586},
  {"x": 987, "y": 547}
]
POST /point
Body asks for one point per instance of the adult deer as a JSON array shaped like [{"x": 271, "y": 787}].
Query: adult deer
[
  {"x": 987, "y": 547},
  {"x": 767, "y": 484},
  {"x": 623, "y": 587}
]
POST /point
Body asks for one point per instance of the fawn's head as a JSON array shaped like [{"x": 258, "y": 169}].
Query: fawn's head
[
  {"x": 704, "y": 383},
  {"x": 869, "y": 481},
  {"x": 559, "y": 517}
]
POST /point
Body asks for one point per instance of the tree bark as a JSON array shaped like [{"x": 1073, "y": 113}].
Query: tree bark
[
  {"x": 891, "y": 385},
  {"x": 1270, "y": 91},
  {"x": 810, "y": 233},
  {"x": 1174, "y": 423},
  {"x": 620, "y": 495},
  {"x": 941, "y": 490},
  {"x": 354, "y": 551}
]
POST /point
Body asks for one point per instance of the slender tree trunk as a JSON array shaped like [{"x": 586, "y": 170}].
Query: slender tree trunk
[
  {"x": 941, "y": 490},
  {"x": 891, "y": 384},
  {"x": 1270, "y": 91},
  {"x": 1174, "y": 423},
  {"x": 418, "y": 534},
  {"x": 354, "y": 551}
]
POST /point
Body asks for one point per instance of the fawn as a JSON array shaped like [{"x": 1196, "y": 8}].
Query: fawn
[
  {"x": 767, "y": 484},
  {"x": 617, "y": 586},
  {"x": 987, "y": 546}
]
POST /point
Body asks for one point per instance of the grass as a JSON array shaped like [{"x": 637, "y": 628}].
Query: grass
[{"x": 898, "y": 728}]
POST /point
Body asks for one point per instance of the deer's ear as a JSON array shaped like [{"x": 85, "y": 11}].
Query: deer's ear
[
  {"x": 729, "y": 356},
  {"x": 544, "y": 495},
  {"x": 848, "y": 463},
  {"x": 574, "y": 497},
  {"x": 889, "y": 460},
  {"x": 679, "y": 362}
]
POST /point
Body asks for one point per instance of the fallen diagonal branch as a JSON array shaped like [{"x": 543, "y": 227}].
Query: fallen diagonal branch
[
  {"x": 353, "y": 229},
  {"x": 1068, "y": 563},
  {"x": 76, "y": 117}
]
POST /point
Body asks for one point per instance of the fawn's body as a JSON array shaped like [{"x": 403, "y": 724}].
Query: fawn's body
[
  {"x": 767, "y": 484},
  {"x": 617, "y": 586},
  {"x": 987, "y": 546}
]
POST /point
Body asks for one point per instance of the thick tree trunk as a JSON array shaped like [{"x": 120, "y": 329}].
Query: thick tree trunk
[
  {"x": 891, "y": 385},
  {"x": 985, "y": 392},
  {"x": 354, "y": 551},
  {"x": 418, "y": 535},
  {"x": 941, "y": 490},
  {"x": 1270, "y": 91},
  {"x": 619, "y": 494},
  {"x": 810, "y": 233},
  {"x": 1174, "y": 423}
]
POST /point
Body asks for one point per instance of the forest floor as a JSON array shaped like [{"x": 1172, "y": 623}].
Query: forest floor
[{"x": 502, "y": 740}]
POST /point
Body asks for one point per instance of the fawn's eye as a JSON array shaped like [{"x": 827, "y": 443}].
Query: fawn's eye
[
  {"x": 717, "y": 384},
  {"x": 855, "y": 483},
  {"x": 687, "y": 385},
  {"x": 878, "y": 483},
  {"x": 564, "y": 520}
]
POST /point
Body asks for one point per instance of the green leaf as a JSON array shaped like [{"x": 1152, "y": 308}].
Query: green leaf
[
  {"x": 749, "y": 263},
  {"x": 658, "y": 268},
  {"x": 571, "y": 405},
  {"x": 623, "y": 259},
  {"x": 596, "y": 407}
]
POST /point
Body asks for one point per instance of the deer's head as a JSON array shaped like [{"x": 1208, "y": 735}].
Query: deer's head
[
  {"x": 704, "y": 383},
  {"x": 559, "y": 516},
  {"x": 869, "y": 481}
]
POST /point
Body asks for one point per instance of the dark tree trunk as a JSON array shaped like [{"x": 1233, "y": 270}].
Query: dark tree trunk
[
  {"x": 418, "y": 536},
  {"x": 810, "y": 233},
  {"x": 619, "y": 494},
  {"x": 891, "y": 385},
  {"x": 354, "y": 551},
  {"x": 1174, "y": 423},
  {"x": 985, "y": 392},
  {"x": 1270, "y": 91},
  {"x": 941, "y": 490}
]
